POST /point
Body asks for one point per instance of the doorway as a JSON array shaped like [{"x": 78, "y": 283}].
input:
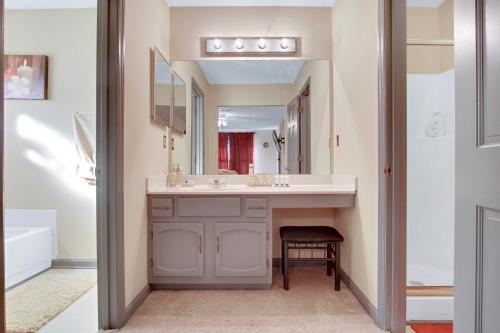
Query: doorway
[
  {"x": 298, "y": 136},
  {"x": 431, "y": 165},
  {"x": 108, "y": 171},
  {"x": 50, "y": 163}
]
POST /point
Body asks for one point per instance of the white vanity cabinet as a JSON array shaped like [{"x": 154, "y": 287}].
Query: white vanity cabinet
[
  {"x": 241, "y": 249},
  {"x": 178, "y": 249}
]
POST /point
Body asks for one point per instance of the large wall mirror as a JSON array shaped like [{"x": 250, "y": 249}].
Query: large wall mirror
[
  {"x": 161, "y": 88},
  {"x": 274, "y": 114}
]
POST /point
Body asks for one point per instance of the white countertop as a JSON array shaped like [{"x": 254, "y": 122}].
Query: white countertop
[{"x": 299, "y": 184}]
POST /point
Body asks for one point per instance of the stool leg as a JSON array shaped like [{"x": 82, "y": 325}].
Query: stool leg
[
  {"x": 285, "y": 262},
  {"x": 337, "y": 266},
  {"x": 329, "y": 262},
  {"x": 282, "y": 258}
]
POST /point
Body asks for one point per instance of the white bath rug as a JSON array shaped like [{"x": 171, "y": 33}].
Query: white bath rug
[{"x": 37, "y": 301}]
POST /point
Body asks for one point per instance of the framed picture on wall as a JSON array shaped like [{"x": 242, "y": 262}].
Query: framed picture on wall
[{"x": 26, "y": 77}]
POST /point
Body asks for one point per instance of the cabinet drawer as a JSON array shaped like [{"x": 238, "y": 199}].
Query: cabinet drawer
[
  {"x": 162, "y": 207},
  {"x": 209, "y": 207},
  {"x": 256, "y": 207}
]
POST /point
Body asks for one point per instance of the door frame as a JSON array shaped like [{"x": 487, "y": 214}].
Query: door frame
[
  {"x": 109, "y": 171},
  {"x": 110, "y": 160},
  {"x": 392, "y": 166}
]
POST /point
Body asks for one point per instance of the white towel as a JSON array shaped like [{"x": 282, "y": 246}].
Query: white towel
[{"x": 85, "y": 139}]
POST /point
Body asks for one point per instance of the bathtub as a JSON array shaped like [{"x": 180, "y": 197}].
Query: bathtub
[
  {"x": 429, "y": 308},
  {"x": 30, "y": 243}
]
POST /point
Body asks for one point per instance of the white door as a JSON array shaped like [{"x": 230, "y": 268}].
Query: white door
[
  {"x": 477, "y": 230},
  {"x": 178, "y": 249},
  {"x": 241, "y": 249}
]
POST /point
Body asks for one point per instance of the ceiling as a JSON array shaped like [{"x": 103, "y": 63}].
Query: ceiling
[
  {"x": 305, "y": 3},
  {"x": 251, "y": 71},
  {"x": 424, "y": 3},
  {"x": 49, "y": 4},
  {"x": 251, "y": 118}
]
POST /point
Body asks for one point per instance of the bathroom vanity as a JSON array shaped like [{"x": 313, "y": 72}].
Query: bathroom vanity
[{"x": 208, "y": 237}]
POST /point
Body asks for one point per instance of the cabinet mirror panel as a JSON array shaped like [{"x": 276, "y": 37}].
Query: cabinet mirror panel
[
  {"x": 161, "y": 88},
  {"x": 261, "y": 116}
]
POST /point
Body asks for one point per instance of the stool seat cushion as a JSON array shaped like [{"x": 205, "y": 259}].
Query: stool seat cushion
[{"x": 310, "y": 234}]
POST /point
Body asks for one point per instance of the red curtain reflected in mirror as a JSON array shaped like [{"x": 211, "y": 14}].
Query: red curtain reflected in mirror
[
  {"x": 235, "y": 151},
  {"x": 224, "y": 151}
]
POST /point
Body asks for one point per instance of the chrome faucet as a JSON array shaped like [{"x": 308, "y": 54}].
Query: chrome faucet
[{"x": 217, "y": 182}]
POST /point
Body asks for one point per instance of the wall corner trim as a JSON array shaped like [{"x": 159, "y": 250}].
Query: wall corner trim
[
  {"x": 136, "y": 302},
  {"x": 361, "y": 297}
]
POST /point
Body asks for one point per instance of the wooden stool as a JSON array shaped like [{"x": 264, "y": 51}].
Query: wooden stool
[{"x": 311, "y": 238}]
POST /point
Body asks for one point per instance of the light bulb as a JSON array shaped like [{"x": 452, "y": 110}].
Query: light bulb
[
  {"x": 217, "y": 44},
  {"x": 261, "y": 44},
  {"x": 239, "y": 44},
  {"x": 284, "y": 43}
]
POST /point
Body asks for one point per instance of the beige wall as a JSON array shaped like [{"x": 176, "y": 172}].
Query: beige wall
[
  {"x": 430, "y": 23},
  {"x": 188, "y": 70},
  {"x": 189, "y": 24},
  {"x": 237, "y": 95},
  {"x": 146, "y": 26},
  {"x": 40, "y": 155},
  {"x": 355, "y": 86}
]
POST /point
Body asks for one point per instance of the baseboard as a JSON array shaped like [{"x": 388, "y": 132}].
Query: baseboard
[
  {"x": 363, "y": 300},
  {"x": 74, "y": 263},
  {"x": 136, "y": 302},
  {"x": 222, "y": 286}
]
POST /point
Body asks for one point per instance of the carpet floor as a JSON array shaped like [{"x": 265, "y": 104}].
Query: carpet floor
[
  {"x": 35, "y": 302},
  {"x": 311, "y": 305}
]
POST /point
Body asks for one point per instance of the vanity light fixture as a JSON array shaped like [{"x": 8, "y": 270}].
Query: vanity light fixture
[
  {"x": 262, "y": 44},
  {"x": 239, "y": 44},
  {"x": 217, "y": 44},
  {"x": 250, "y": 46},
  {"x": 284, "y": 43}
]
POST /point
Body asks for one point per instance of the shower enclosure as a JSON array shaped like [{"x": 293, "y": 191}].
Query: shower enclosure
[{"x": 431, "y": 161}]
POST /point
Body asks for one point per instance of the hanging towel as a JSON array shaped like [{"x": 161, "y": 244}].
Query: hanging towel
[{"x": 85, "y": 139}]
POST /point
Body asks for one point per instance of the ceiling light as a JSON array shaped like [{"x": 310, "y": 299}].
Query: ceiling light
[
  {"x": 217, "y": 44},
  {"x": 239, "y": 44},
  {"x": 284, "y": 43},
  {"x": 262, "y": 43}
]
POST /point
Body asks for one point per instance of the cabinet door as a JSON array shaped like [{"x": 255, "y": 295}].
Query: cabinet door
[
  {"x": 178, "y": 249},
  {"x": 241, "y": 249}
]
